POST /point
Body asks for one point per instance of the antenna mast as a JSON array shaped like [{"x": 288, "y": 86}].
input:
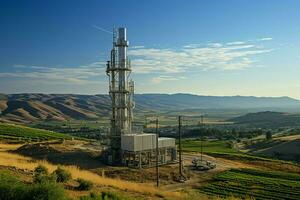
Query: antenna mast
[{"x": 120, "y": 91}]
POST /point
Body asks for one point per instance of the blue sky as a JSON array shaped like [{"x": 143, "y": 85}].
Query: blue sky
[{"x": 212, "y": 47}]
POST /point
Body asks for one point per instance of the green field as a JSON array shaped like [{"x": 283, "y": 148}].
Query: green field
[
  {"x": 11, "y": 132},
  {"x": 211, "y": 146},
  {"x": 243, "y": 183}
]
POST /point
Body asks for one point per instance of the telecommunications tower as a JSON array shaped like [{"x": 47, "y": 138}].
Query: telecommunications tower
[
  {"x": 121, "y": 89},
  {"x": 138, "y": 149}
]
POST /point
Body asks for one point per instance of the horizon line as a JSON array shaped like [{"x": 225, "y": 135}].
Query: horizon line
[{"x": 150, "y": 93}]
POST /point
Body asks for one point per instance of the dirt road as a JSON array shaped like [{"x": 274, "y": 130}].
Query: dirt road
[{"x": 198, "y": 178}]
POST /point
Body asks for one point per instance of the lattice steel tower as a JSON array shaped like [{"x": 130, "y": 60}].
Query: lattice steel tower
[{"x": 121, "y": 90}]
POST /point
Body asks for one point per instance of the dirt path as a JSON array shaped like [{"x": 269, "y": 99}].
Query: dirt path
[{"x": 198, "y": 178}]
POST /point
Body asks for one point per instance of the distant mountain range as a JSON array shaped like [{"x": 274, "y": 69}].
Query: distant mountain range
[
  {"x": 187, "y": 101},
  {"x": 26, "y": 108}
]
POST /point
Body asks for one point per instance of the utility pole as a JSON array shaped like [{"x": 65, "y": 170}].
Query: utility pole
[
  {"x": 201, "y": 147},
  {"x": 157, "y": 170},
  {"x": 145, "y": 122},
  {"x": 179, "y": 143}
]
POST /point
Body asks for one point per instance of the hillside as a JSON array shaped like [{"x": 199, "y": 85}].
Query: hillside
[
  {"x": 268, "y": 119},
  {"x": 283, "y": 147},
  {"x": 11, "y": 132},
  {"x": 33, "y": 107},
  {"x": 25, "y": 108}
]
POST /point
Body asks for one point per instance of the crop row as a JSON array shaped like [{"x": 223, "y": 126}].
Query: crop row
[
  {"x": 234, "y": 176},
  {"x": 244, "y": 183},
  {"x": 18, "y": 138},
  {"x": 270, "y": 174},
  {"x": 270, "y": 191},
  {"x": 242, "y": 192},
  {"x": 9, "y": 131}
]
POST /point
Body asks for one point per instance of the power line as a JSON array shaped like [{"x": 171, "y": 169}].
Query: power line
[
  {"x": 179, "y": 142},
  {"x": 157, "y": 170}
]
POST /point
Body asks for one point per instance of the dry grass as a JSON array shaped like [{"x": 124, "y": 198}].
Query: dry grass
[
  {"x": 289, "y": 137},
  {"x": 7, "y": 147},
  {"x": 26, "y": 163},
  {"x": 3, "y": 105}
]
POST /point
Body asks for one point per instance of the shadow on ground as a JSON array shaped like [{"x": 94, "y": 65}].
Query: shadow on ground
[{"x": 80, "y": 158}]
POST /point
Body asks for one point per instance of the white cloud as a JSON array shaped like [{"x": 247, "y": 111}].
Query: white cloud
[
  {"x": 162, "y": 64},
  {"x": 215, "y": 45},
  {"x": 69, "y": 75},
  {"x": 235, "y": 43},
  {"x": 159, "y": 79},
  {"x": 137, "y": 47},
  {"x": 213, "y": 56},
  {"x": 266, "y": 39}
]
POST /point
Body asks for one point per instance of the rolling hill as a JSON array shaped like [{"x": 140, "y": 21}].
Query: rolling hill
[
  {"x": 281, "y": 147},
  {"x": 26, "y": 108},
  {"x": 268, "y": 119},
  {"x": 187, "y": 101},
  {"x": 284, "y": 150}
]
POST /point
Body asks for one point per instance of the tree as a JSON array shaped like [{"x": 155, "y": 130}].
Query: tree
[{"x": 268, "y": 135}]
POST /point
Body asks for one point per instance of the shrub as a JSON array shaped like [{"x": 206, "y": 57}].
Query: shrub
[
  {"x": 45, "y": 178},
  {"x": 84, "y": 184},
  {"x": 103, "y": 196},
  {"x": 92, "y": 196},
  {"x": 41, "y": 175},
  {"x": 62, "y": 175},
  {"x": 11, "y": 188},
  {"x": 47, "y": 191},
  {"x": 40, "y": 169},
  {"x": 111, "y": 196}
]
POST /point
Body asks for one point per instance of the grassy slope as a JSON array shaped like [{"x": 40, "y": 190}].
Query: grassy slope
[
  {"x": 27, "y": 163},
  {"x": 208, "y": 146},
  {"x": 284, "y": 148},
  {"x": 18, "y": 132}
]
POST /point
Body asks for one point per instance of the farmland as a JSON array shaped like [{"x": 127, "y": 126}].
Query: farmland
[
  {"x": 239, "y": 183},
  {"x": 209, "y": 146},
  {"x": 18, "y": 133},
  {"x": 242, "y": 183},
  {"x": 225, "y": 150}
]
